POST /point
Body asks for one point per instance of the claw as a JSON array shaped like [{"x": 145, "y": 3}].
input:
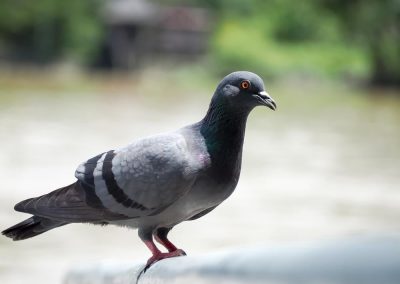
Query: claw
[
  {"x": 158, "y": 257},
  {"x": 180, "y": 252},
  {"x": 163, "y": 255}
]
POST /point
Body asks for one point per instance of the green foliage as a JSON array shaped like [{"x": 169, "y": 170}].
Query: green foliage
[
  {"x": 332, "y": 37},
  {"x": 275, "y": 37},
  {"x": 295, "y": 23},
  {"x": 281, "y": 38},
  {"x": 375, "y": 24}
]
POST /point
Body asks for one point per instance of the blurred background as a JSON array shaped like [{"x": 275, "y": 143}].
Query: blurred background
[{"x": 80, "y": 77}]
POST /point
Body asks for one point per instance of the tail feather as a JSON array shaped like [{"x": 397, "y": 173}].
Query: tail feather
[
  {"x": 74, "y": 203},
  {"x": 31, "y": 227}
]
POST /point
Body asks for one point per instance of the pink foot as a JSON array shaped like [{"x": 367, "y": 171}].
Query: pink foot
[{"x": 163, "y": 255}]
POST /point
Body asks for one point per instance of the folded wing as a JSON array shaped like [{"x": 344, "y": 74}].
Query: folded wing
[{"x": 139, "y": 180}]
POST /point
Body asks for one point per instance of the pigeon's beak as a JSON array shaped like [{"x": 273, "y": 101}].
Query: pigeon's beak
[{"x": 265, "y": 100}]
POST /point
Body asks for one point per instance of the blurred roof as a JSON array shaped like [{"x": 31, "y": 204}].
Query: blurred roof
[
  {"x": 142, "y": 12},
  {"x": 130, "y": 11}
]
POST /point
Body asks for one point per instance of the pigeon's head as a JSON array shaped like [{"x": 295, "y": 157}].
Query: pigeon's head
[{"x": 243, "y": 89}]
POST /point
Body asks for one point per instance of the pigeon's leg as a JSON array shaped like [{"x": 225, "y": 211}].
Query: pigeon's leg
[
  {"x": 160, "y": 235},
  {"x": 146, "y": 235}
]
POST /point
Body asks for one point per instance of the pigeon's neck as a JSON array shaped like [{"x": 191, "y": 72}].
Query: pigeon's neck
[{"x": 223, "y": 129}]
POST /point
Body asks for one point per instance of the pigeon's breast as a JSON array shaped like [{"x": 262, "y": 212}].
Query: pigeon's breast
[{"x": 215, "y": 182}]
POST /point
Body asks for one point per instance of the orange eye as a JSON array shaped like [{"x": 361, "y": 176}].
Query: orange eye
[{"x": 245, "y": 84}]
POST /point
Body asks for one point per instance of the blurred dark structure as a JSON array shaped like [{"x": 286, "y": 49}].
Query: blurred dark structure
[
  {"x": 137, "y": 30},
  {"x": 118, "y": 34}
]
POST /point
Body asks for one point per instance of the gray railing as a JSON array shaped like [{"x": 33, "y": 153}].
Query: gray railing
[{"x": 367, "y": 260}]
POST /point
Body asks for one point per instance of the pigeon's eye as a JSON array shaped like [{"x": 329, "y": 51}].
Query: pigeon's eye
[{"x": 244, "y": 85}]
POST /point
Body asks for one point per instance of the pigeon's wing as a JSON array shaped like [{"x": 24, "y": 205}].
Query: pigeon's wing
[
  {"x": 139, "y": 180},
  {"x": 143, "y": 178},
  {"x": 73, "y": 203}
]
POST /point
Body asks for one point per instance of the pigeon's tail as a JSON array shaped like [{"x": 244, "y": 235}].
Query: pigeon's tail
[{"x": 31, "y": 227}]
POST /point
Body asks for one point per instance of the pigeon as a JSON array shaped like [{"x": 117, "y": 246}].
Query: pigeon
[{"x": 159, "y": 181}]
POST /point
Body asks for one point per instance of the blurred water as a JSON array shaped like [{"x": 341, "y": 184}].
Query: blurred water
[{"x": 325, "y": 165}]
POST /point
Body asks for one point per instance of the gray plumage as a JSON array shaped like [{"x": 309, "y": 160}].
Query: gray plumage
[{"x": 159, "y": 181}]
